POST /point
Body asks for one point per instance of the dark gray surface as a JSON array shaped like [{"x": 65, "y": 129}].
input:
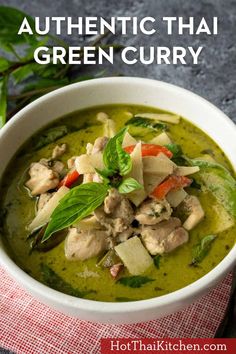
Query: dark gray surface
[{"x": 213, "y": 78}]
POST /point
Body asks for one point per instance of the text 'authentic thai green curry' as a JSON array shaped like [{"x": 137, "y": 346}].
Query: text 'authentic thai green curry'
[{"x": 119, "y": 203}]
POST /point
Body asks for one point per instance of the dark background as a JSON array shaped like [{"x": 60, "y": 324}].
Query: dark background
[{"x": 213, "y": 78}]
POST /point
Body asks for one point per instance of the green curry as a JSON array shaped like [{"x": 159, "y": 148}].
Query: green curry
[{"x": 87, "y": 278}]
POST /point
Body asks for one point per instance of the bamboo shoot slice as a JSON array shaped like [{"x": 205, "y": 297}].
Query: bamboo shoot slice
[
  {"x": 128, "y": 140},
  {"x": 168, "y": 118},
  {"x": 87, "y": 163},
  {"x": 162, "y": 139},
  {"x": 176, "y": 197},
  {"x": 134, "y": 256},
  {"x": 45, "y": 213},
  {"x": 151, "y": 181},
  {"x": 158, "y": 165},
  {"x": 136, "y": 172},
  {"x": 187, "y": 170}
]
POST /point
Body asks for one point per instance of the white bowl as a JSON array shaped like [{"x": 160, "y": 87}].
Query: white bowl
[{"x": 107, "y": 91}]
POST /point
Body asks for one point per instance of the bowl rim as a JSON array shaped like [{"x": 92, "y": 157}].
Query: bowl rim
[{"x": 116, "y": 307}]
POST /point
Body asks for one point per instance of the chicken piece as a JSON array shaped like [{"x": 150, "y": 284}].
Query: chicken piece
[
  {"x": 43, "y": 199},
  {"x": 89, "y": 148},
  {"x": 84, "y": 244},
  {"x": 99, "y": 144},
  {"x": 192, "y": 206},
  {"x": 175, "y": 239},
  {"x": 42, "y": 178},
  {"x": 152, "y": 211},
  {"x": 108, "y": 124},
  {"x": 58, "y": 151},
  {"x": 57, "y": 166},
  {"x": 123, "y": 236},
  {"x": 116, "y": 214},
  {"x": 164, "y": 237},
  {"x": 112, "y": 201}
]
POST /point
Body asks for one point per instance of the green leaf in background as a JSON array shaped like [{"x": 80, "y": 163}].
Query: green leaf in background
[
  {"x": 202, "y": 248},
  {"x": 3, "y": 100},
  {"x": 10, "y": 21},
  {"x": 135, "y": 281},
  {"x": 43, "y": 78},
  {"x": 129, "y": 185},
  {"x": 78, "y": 203},
  {"x": 114, "y": 157},
  {"x": 4, "y": 64},
  {"x": 42, "y": 84},
  {"x": 47, "y": 71},
  {"x": 29, "y": 51},
  {"x": 218, "y": 180},
  {"x": 22, "y": 73}
]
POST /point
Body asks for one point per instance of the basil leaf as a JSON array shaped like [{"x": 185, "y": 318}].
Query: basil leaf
[
  {"x": 129, "y": 185},
  {"x": 104, "y": 174},
  {"x": 135, "y": 281},
  {"x": 202, "y": 248},
  {"x": 146, "y": 123},
  {"x": 10, "y": 21},
  {"x": 3, "y": 100},
  {"x": 156, "y": 261},
  {"x": 49, "y": 136},
  {"x": 114, "y": 157},
  {"x": 175, "y": 149},
  {"x": 195, "y": 184},
  {"x": 53, "y": 280},
  {"x": 219, "y": 182},
  {"x": 80, "y": 202},
  {"x": 124, "y": 159}
]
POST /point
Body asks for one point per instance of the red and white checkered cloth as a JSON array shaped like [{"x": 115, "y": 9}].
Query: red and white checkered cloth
[{"x": 29, "y": 327}]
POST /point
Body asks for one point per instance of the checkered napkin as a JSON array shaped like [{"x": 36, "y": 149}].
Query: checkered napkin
[{"x": 29, "y": 327}]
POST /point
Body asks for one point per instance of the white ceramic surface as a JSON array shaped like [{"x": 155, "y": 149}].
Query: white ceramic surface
[{"x": 108, "y": 91}]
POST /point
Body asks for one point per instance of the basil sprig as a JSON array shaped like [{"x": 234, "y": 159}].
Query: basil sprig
[
  {"x": 202, "y": 248},
  {"x": 114, "y": 157},
  {"x": 78, "y": 203},
  {"x": 118, "y": 163}
]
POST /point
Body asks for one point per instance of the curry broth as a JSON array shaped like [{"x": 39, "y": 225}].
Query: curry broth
[{"x": 174, "y": 270}]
